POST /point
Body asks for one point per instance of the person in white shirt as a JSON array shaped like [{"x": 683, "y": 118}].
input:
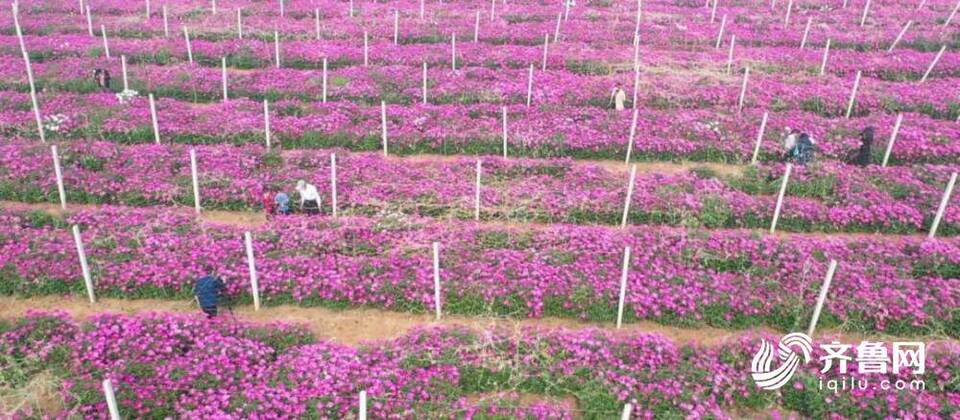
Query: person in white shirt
[
  {"x": 617, "y": 97},
  {"x": 309, "y": 197}
]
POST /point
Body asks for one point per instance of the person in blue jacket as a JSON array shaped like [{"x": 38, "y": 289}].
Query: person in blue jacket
[{"x": 207, "y": 292}]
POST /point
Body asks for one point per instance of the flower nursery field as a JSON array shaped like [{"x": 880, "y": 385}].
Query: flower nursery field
[{"x": 496, "y": 239}]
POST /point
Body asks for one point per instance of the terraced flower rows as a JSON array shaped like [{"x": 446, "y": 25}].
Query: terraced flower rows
[{"x": 546, "y": 244}]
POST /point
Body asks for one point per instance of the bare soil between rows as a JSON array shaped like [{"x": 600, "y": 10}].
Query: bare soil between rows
[
  {"x": 258, "y": 218},
  {"x": 359, "y": 325}
]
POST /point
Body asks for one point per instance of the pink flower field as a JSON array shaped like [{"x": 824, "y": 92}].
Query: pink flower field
[{"x": 512, "y": 209}]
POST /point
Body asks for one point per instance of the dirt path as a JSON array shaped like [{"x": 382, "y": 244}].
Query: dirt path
[
  {"x": 669, "y": 168},
  {"x": 354, "y": 326},
  {"x": 256, "y": 218}
]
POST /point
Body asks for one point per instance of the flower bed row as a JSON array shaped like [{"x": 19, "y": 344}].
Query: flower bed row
[
  {"x": 164, "y": 365},
  {"x": 664, "y": 131},
  {"x": 823, "y": 197},
  {"x": 402, "y": 82},
  {"x": 577, "y": 58},
  {"x": 519, "y": 23},
  {"x": 731, "y": 279}
]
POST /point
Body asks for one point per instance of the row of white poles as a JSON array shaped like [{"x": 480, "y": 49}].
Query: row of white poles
[{"x": 362, "y": 413}]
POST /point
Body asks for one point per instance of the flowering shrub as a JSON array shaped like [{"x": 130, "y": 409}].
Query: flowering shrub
[{"x": 185, "y": 366}]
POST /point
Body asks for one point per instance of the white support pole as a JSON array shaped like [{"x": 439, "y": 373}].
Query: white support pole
[
  {"x": 26, "y": 62},
  {"x": 111, "y": 400},
  {"x": 933, "y": 63},
  {"x": 366, "y": 49},
  {"x": 476, "y": 28},
  {"x": 213, "y": 7},
  {"x": 629, "y": 198},
  {"x": 844, "y": 4},
  {"x": 422, "y": 9},
  {"x": 123, "y": 71},
  {"x": 266, "y": 123},
  {"x": 806, "y": 31},
  {"x": 252, "y": 266},
  {"x": 504, "y": 132},
  {"x": 756, "y": 147},
  {"x": 952, "y": 14},
  {"x": 85, "y": 269},
  {"x": 546, "y": 42},
  {"x": 826, "y": 53},
  {"x": 623, "y": 286},
  {"x": 733, "y": 43},
  {"x": 324, "y": 80},
  {"x": 493, "y": 9},
  {"x": 195, "y": 178},
  {"x": 633, "y": 133},
  {"x": 106, "y": 45},
  {"x": 223, "y": 77},
  {"x": 239, "y": 23},
  {"x": 556, "y": 29},
  {"x": 153, "y": 119},
  {"x": 333, "y": 184},
  {"x": 627, "y": 411},
  {"x": 636, "y": 85},
  {"x": 424, "y": 82},
  {"x": 822, "y": 297},
  {"x": 436, "y": 279},
  {"x": 59, "y": 174},
  {"x": 743, "y": 89},
  {"x": 900, "y": 35},
  {"x": 362, "y": 411},
  {"x": 922, "y": 3},
  {"x": 723, "y": 24},
  {"x": 893, "y": 138},
  {"x": 383, "y": 125},
  {"x": 566, "y": 10},
  {"x": 866, "y": 10},
  {"x": 713, "y": 11},
  {"x": 316, "y": 22},
  {"x": 283, "y": 11},
  {"x": 530, "y": 85},
  {"x": 186, "y": 37},
  {"x": 943, "y": 205},
  {"x": 166, "y": 22},
  {"x": 476, "y": 198},
  {"x": 351, "y": 8},
  {"x": 276, "y": 48},
  {"x": 453, "y": 51},
  {"x": 148, "y": 9},
  {"x": 853, "y": 95},
  {"x": 396, "y": 26},
  {"x": 786, "y": 18},
  {"x": 783, "y": 190},
  {"x": 90, "y": 21}
]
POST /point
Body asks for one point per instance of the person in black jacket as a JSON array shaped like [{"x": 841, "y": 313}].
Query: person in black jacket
[
  {"x": 862, "y": 157},
  {"x": 208, "y": 293},
  {"x": 102, "y": 77}
]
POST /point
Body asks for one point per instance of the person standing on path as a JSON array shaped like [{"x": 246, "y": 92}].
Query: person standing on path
[{"x": 617, "y": 98}]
